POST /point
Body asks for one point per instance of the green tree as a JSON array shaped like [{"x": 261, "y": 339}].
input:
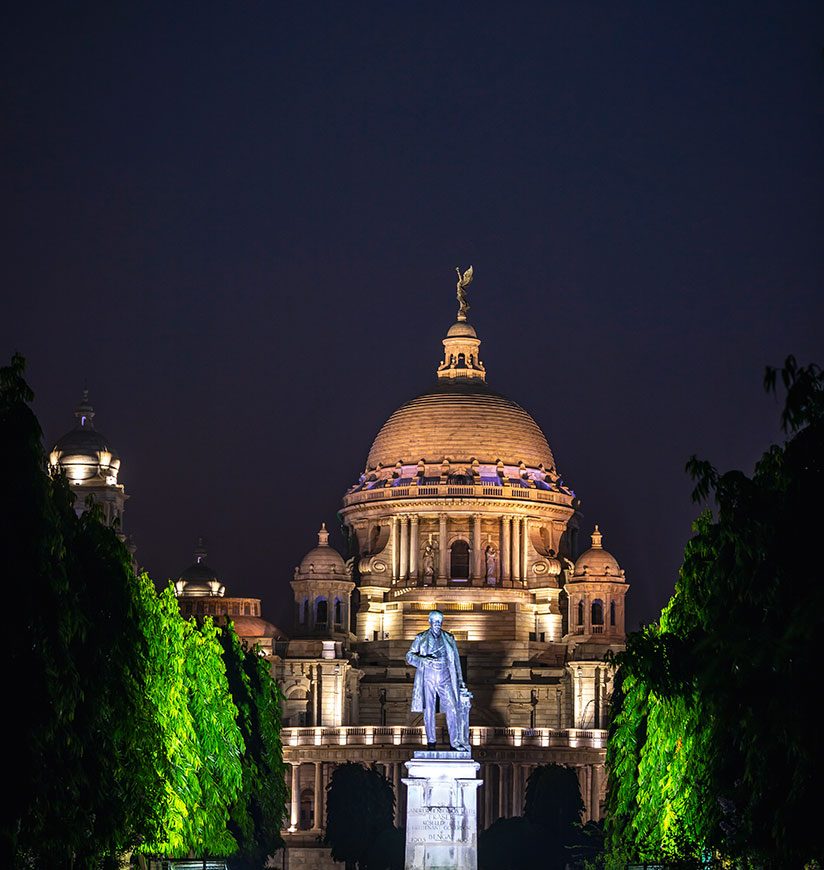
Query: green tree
[
  {"x": 116, "y": 790},
  {"x": 202, "y": 745},
  {"x": 84, "y": 789},
  {"x": 39, "y": 635},
  {"x": 359, "y": 807},
  {"x": 129, "y": 739},
  {"x": 711, "y": 753},
  {"x": 258, "y": 811}
]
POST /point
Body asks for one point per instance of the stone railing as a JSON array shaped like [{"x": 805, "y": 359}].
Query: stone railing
[
  {"x": 400, "y": 735},
  {"x": 451, "y": 490}
]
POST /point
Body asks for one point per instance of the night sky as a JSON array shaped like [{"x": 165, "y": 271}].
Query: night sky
[{"x": 238, "y": 225}]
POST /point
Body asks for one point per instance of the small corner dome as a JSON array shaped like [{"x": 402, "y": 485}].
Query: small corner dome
[
  {"x": 598, "y": 562},
  {"x": 323, "y": 559},
  {"x": 84, "y": 452},
  {"x": 256, "y": 626},
  {"x": 199, "y": 579}
]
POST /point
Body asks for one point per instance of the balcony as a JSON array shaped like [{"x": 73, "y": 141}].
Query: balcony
[
  {"x": 452, "y": 490},
  {"x": 414, "y": 737}
]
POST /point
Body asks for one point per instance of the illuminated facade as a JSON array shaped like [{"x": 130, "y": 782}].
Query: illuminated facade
[{"x": 460, "y": 507}]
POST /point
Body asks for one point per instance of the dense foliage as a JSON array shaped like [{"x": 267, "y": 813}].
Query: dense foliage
[
  {"x": 712, "y": 756},
  {"x": 257, "y": 813},
  {"x": 549, "y": 835},
  {"x": 359, "y": 809},
  {"x": 125, "y": 733}
]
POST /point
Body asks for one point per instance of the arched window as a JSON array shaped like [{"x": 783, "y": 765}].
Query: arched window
[
  {"x": 459, "y": 562},
  {"x": 580, "y": 613},
  {"x": 321, "y": 613},
  {"x": 597, "y": 612},
  {"x": 612, "y": 613},
  {"x": 304, "y": 611},
  {"x": 338, "y": 612},
  {"x": 461, "y": 361}
]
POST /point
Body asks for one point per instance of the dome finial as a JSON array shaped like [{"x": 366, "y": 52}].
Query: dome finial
[
  {"x": 596, "y": 538},
  {"x": 323, "y": 536},
  {"x": 461, "y": 345},
  {"x": 463, "y": 282},
  {"x": 200, "y": 551},
  {"x": 84, "y": 412}
]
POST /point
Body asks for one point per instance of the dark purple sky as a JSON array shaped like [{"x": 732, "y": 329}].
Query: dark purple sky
[{"x": 238, "y": 224}]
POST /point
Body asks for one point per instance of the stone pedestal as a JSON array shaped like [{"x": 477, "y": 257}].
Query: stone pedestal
[{"x": 441, "y": 811}]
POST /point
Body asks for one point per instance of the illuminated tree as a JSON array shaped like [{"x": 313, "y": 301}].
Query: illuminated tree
[
  {"x": 202, "y": 745},
  {"x": 128, "y": 738},
  {"x": 257, "y": 813},
  {"x": 81, "y": 738},
  {"x": 711, "y": 750}
]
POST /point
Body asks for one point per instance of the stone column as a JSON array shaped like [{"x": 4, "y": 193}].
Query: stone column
[
  {"x": 404, "y": 556},
  {"x": 413, "y": 547},
  {"x": 477, "y": 549},
  {"x": 394, "y": 534},
  {"x": 318, "y": 796},
  {"x": 516, "y": 550},
  {"x": 581, "y": 773},
  {"x": 517, "y": 788},
  {"x": 294, "y": 815},
  {"x": 443, "y": 551},
  {"x": 527, "y": 771},
  {"x": 505, "y": 549},
  {"x": 597, "y": 779},
  {"x": 502, "y": 790},
  {"x": 524, "y": 546}
]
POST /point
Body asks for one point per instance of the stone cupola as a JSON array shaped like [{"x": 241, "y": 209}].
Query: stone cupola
[
  {"x": 322, "y": 586},
  {"x": 199, "y": 580},
  {"x": 91, "y": 465},
  {"x": 596, "y": 592},
  {"x": 461, "y": 354}
]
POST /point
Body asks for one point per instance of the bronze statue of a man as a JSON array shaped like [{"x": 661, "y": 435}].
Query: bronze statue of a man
[{"x": 435, "y": 655}]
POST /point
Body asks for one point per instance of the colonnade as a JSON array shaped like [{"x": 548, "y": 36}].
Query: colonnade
[
  {"x": 502, "y": 793},
  {"x": 393, "y": 771},
  {"x": 512, "y": 548}
]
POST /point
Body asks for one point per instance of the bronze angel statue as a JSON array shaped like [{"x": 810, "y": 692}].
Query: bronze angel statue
[{"x": 463, "y": 282}]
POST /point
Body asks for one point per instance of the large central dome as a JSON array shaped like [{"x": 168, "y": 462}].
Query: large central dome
[{"x": 461, "y": 419}]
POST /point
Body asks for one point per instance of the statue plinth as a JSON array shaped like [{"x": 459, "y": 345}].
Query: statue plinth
[{"x": 441, "y": 811}]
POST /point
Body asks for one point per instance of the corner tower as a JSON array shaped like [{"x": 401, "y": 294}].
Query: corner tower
[
  {"x": 322, "y": 587},
  {"x": 91, "y": 465}
]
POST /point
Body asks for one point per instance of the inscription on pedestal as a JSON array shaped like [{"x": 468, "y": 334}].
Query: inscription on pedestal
[
  {"x": 434, "y": 824},
  {"x": 441, "y": 815}
]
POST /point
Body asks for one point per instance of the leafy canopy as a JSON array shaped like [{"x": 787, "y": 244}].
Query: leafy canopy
[{"x": 710, "y": 751}]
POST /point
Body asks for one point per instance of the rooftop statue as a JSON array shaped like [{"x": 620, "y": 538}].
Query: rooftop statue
[
  {"x": 463, "y": 282},
  {"x": 435, "y": 655}
]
